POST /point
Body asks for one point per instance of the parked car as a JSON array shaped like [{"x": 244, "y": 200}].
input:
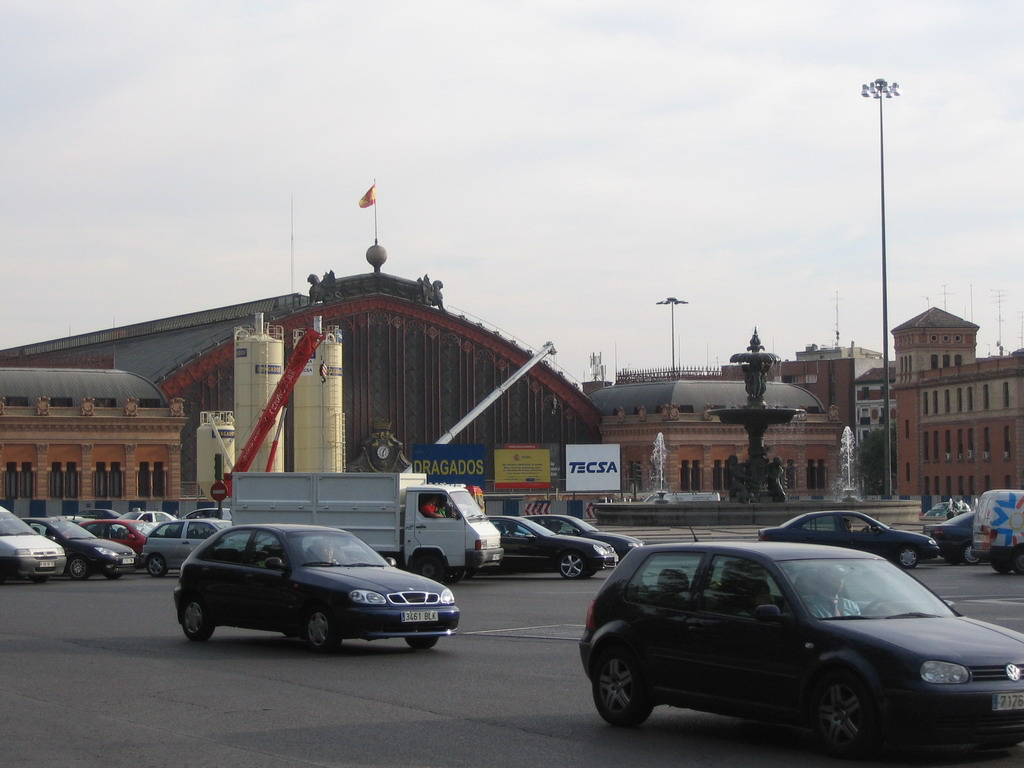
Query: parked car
[
  {"x": 955, "y": 539},
  {"x": 567, "y": 525},
  {"x": 86, "y": 554},
  {"x": 131, "y": 533},
  {"x": 208, "y": 513},
  {"x": 944, "y": 510},
  {"x": 148, "y": 516},
  {"x": 855, "y": 531},
  {"x": 532, "y": 547},
  {"x": 837, "y": 641},
  {"x": 24, "y": 553},
  {"x": 170, "y": 543},
  {"x": 97, "y": 514},
  {"x": 318, "y": 583}
]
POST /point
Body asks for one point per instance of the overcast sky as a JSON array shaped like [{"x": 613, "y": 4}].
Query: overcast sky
[{"x": 561, "y": 165}]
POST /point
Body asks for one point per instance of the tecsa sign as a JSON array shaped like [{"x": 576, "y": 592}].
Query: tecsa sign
[{"x": 592, "y": 468}]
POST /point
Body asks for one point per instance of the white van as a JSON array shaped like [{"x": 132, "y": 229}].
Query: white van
[
  {"x": 26, "y": 554},
  {"x": 999, "y": 530}
]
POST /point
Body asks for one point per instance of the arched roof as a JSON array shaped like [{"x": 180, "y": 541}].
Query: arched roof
[
  {"x": 76, "y": 383},
  {"x": 695, "y": 396}
]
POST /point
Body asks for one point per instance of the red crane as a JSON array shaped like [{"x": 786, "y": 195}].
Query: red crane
[{"x": 301, "y": 355}]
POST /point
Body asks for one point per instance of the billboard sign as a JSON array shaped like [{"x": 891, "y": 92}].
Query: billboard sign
[
  {"x": 522, "y": 467},
  {"x": 458, "y": 464},
  {"x": 592, "y": 468}
]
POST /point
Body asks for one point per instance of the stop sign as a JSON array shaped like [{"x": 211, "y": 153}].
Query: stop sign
[{"x": 218, "y": 491}]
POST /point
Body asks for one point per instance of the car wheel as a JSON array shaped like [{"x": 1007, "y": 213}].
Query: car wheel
[
  {"x": 429, "y": 567},
  {"x": 455, "y": 575},
  {"x": 907, "y": 557},
  {"x": 1001, "y": 567},
  {"x": 619, "y": 691},
  {"x": 421, "y": 643},
  {"x": 196, "y": 622},
  {"x": 967, "y": 555},
  {"x": 156, "y": 565},
  {"x": 1017, "y": 562},
  {"x": 78, "y": 568},
  {"x": 571, "y": 565},
  {"x": 844, "y": 718},
  {"x": 320, "y": 630}
]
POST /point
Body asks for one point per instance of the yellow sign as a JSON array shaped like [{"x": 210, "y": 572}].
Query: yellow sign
[{"x": 522, "y": 467}]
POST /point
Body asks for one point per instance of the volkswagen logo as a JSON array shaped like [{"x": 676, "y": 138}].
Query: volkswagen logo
[{"x": 1013, "y": 671}]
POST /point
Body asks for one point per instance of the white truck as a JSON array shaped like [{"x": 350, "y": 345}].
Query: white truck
[{"x": 384, "y": 510}]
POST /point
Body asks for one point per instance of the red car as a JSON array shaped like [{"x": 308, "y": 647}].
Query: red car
[{"x": 131, "y": 533}]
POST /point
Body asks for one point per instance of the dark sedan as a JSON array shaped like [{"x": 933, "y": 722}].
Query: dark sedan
[
  {"x": 955, "y": 539},
  {"x": 321, "y": 584},
  {"x": 530, "y": 547},
  {"x": 567, "y": 525},
  {"x": 86, "y": 553},
  {"x": 837, "y": 641},
  {"x": 855, "y": 531}
]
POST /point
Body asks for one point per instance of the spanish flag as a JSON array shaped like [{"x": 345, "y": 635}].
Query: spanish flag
[{"x": 369, "y": 198}]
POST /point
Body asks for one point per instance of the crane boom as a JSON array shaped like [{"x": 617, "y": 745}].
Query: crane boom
[
  {"x": 304, "y": 350},
  {"x": 547, "y": 349}
]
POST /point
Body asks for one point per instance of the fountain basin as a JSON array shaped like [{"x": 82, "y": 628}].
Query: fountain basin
[{"x": 755, "y": 416}]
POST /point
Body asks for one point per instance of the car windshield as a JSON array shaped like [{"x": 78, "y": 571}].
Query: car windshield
[
  {"x": 861, "y": 589},
  {"x": 467, "y": 504},
  {"x": 70, "y": 530},
  {"x": 12, "y": 525},
  {"x": 337, "y": 549}
]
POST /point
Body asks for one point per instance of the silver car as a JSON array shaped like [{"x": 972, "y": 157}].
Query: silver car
[{"x": 170, "y": 543}]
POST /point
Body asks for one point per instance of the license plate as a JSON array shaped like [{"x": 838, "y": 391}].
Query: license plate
[
  {"x": 128, "y": 560},
  {"x": 1007, "y": 701},
  {"x": 419, "y": 616},
  {"x": 46, "y": 565}
]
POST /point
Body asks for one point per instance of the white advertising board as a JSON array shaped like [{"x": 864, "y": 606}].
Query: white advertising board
[{"x": 592, "y": 468}]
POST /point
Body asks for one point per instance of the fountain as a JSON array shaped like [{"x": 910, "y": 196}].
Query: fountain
[
  {"x": 658, "y": 457},
  {"x": 757, "y": 477},
  {"x": 847, "y": 462}
]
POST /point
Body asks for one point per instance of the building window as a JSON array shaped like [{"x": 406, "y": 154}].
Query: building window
[
  {"x": 145, "y": 480},
  {"x": 984, "y": 396},
  {"x": 56, "y": 489},
  {"x": 11, "y": 480},
  {"x": 159, "y": 480},
  {"x": 935, "y": 443},
  {"x": 935, "y": 361},
  {"x": 925, "y": 398},
  {"x": 945, "y": 397},
  {"x": 1006, "y": 394},
  {"x": 959, "y": 400},
  {"x": 100, "y": 480},
  {"x": 949, "y": 485},
  {"x": 945, "y": 361},
  {"x": 970, "y": 398},
  {"x": 970, "y": 442},
  {"x": 959, "y": 444},
  {"x": 949, "y": 445},
  {"x": 116, "y": 480},
  {"x": 1006, "y": 443},
  {"x": 790, "y": 474},
  {"x": 986, "y": 444},
  {"x": 958, "y": 360},
  {"x": 924, "y": 445},
  {"x": 970, "y": 485},
  {"x": 71, "y": 481}
]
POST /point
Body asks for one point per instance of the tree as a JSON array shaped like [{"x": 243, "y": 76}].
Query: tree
[{"x": 871, "y": 460}]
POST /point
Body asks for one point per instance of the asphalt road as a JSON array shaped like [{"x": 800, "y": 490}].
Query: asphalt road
[{"x": 98, "y": 673}]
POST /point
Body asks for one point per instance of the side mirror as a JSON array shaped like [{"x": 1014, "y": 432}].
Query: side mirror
[
  {"x": 769, "y": 614},
  {"x": 392, "y": 562},
  {"x": 275, "y": 564}
]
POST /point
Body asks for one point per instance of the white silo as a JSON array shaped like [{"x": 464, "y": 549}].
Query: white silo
[
  {"x": 317, "y": 417},
  {"x": 215, "y": 435},
  {"x": 259, "y": 364}
]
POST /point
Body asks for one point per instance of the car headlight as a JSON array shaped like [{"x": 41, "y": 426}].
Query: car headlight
[
  {"x": 23, "y": 552},
  {"x": 447, "y": 597},
  {"x": 107, "y": 552},
  {"x": 944, "y": 673},
  {"x": 366, "y": 597},
  {"x": 633, "y": 544},
  {"x": 601, "y": 549}
]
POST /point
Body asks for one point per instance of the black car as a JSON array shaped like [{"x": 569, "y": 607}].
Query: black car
[
  {"x": 567, "y": 525},
  {"x": 321, "y": 584},
  {"x": 530, "y": 548},
  {"x": 955, "y": 539},
  {"x": 856, "y": 531},
  {"x": 837, "y": 641},
  {"x": 87, "y": 554}
]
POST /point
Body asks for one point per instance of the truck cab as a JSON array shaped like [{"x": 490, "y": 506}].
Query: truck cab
[{"x": 441, "y": 521}]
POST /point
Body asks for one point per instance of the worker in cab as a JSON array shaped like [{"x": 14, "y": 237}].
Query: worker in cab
[{"x": 429, "y": 507}]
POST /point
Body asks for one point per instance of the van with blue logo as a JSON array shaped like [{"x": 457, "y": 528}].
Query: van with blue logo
[{"x": 999, "y": 530}]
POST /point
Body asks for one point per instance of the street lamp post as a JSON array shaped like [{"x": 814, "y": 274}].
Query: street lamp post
[
  {"x": 882, "y": 90},
  {"x": 672, "y": 301}
]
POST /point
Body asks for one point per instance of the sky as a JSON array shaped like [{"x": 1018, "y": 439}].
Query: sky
[{"x": 560, "y": 165}]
